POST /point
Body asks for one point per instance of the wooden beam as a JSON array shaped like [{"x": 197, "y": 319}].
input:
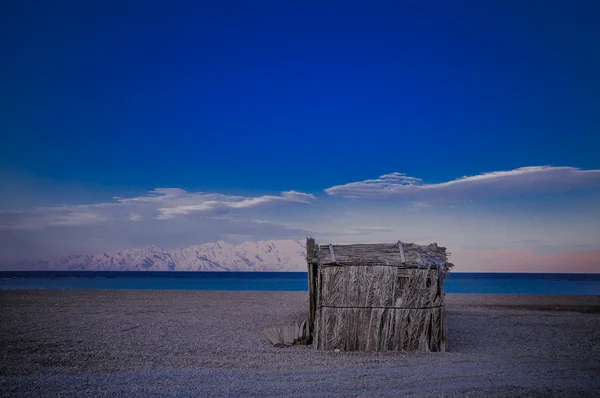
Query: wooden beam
[{"x": 401, "y": 248}]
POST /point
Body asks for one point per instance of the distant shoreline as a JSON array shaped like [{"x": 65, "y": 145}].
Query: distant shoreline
[{"x": 488, "y": 283}]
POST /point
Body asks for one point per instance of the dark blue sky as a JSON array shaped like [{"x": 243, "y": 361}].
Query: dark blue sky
[{"x": 269, "y": 96}]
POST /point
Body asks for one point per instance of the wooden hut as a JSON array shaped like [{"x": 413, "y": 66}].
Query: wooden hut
[{"x": 377, "y": 297}]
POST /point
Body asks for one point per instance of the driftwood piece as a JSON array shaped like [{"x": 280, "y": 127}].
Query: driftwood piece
[
  {"x": 288, "y": 335},
  {"x": 274, "y": 336},
  {"x": 401, "y": 250},
  {"x": 303, "y": 333},
  {"x": 296, "y": 333}
]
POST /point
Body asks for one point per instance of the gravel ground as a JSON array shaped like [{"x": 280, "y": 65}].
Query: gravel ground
[{"x": 210, "y": 343}]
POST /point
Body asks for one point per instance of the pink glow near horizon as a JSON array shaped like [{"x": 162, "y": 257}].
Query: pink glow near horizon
[{"x": 503, "y": 260}]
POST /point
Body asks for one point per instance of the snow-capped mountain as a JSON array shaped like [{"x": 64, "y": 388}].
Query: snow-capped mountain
[{"x": 272, "y": 255}]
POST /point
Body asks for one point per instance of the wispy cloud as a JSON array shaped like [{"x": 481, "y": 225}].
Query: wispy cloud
[
  {"x": 49, "y": 217},
  {"x": 536, "y": 179},
  {"x": 211, "y": 202},
  {"x": 173, "y": 217},
  {"x": 162, "y": 204}
]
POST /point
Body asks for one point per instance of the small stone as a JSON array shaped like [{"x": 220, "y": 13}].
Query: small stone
[{"x": 336, "y": 350}]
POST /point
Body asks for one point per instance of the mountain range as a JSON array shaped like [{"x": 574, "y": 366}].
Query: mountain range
[{"x": 272, "y": 255}]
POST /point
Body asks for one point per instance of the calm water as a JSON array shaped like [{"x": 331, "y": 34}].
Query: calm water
[{"x": 288, "y": 281}]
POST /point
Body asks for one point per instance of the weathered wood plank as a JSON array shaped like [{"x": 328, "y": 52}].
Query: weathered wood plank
[
  {"x": 274, "y": 336},
  {"x": 288, "y": 335},
  {"x": 331, "y": 254},
  {"x": 311, "y": 256},
  {"x": 401, "y": 250},
  {"x": 303, "y": 332},
  {"x": 380, "y": 286},
  {"x": 382, "y": 329},
  {"x": 408, "y": 255},
  {"x": 296, "y": 332}
]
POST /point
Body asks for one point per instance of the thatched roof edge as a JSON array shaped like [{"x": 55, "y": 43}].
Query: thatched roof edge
[{"x": 398, "y": 254}]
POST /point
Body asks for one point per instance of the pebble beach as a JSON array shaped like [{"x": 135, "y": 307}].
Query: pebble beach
[{"x": 210, "y": 343}]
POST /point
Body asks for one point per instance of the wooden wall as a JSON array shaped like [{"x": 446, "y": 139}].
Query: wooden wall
[{"x": 378, "y": 308}]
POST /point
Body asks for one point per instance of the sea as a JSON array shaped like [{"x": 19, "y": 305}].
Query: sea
[{"x": 458, "y": 282}]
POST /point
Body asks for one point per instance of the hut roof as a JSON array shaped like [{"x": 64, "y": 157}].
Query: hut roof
[{"x": 399, "y": 254}]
